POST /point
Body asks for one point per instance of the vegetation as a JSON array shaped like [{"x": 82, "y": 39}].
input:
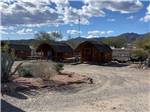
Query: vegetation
[
  {"x": 7, "y": 60},
  {"x": 6, "y": 49},
  {"x": 139, "y": 54},
  {"x": 43, "y": 36},
  {"x": 59, "y": 67},
  {"x": 25, "y": 71},
  {"x": 6, "y": 65},
  {"x": 116, "y": 42},
  {"x": 46, "y": 37},
  {"x": 44, "y": 70},
  {"x": 143, "y": 43}
]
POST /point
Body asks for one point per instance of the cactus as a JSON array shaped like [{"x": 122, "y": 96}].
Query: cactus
[{"x": 6, "y": 65}]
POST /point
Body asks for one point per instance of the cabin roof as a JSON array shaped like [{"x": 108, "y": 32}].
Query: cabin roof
[
  {"x": 20, "y": 47},
  {"x": 98, "y": 45},
  {"x": 58, "y": 47}
]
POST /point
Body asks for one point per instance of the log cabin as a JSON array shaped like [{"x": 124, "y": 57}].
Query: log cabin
[
  {"x": 56, "y": 51},
  {"x": 93, "y": 51},
  {"x": 20, "y": 50}
]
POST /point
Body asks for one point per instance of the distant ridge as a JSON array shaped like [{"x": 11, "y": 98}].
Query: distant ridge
[
  {"x": 74, "y": 42},
  {"x": 129, "y": 37}
]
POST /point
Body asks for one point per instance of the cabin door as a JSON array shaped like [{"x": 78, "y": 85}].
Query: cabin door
[
  {"x": 87, "y": 54},
  {"x": 49, "y": 54}
]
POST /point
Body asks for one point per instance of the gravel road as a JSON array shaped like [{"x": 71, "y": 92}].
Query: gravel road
[{"x": 115, "y": 89}]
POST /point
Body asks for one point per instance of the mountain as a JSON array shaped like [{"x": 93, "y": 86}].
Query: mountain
[
  {"x": 26, "y": 42},
  {"x": 75, "y": 41},
  {"x": 125, "y": 38}
]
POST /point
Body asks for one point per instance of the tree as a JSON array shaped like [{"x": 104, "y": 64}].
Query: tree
[
  {"x": 116, "y": 42},
  {"x": 143, "y": 43},
  {"x": 46, "y": 37},
  {"x": 43, "y": 36},
  {"x": 139, "y": 54}
]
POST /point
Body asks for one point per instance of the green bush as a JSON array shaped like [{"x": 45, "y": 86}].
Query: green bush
[
  {"x": 59, "y": 67},
  {"x": 139, "y": 54},
  {"x": 24, "y": 71}
]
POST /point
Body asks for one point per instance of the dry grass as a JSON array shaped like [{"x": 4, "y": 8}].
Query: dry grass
[{"x": 42, "y": 69}]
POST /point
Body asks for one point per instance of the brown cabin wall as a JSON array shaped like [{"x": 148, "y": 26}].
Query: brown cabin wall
[
  {"x": 96, "y": 56},
  {"x": 109, "y": 56},
  {"x": 67, "y": 55},
  {"x": 22, "y": 54}
]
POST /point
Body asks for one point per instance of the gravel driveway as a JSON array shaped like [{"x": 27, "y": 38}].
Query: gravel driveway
[{"x": 115, "y": 89}]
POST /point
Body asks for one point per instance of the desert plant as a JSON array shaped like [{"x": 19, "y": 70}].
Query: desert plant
[
  {"x": 42, "y": 69},
  {"x": 147, "y": 62},
  {"x": 139, "y": 54},
  {"x": 25, "y": 71},
  {"x": 7, "y": 62},
  {"x": 59, "y": 67},
  {"x": 6, "y": 65}
]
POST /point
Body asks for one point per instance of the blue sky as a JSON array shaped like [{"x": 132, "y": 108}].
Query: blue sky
[{"x": 98, "y": 18}]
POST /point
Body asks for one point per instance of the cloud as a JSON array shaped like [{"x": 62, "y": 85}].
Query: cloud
[
  {"x": 130, "y": 17},
  {"x": 23, "y": 12},
  {"x": 3, "y": 32},
  {"x": 146, "y": 18},
  {"x": 123, "y": 6},
  {"x": 97, "y": 33},
  {"x": 25, "y": 31},
  {"x": 110, "y": 31},
  {"x": 7, "y": 27},
  {"x": 60, "y": 11},
  {"x": 73, "y": 32},
  {"x": 111, "y": 20}
]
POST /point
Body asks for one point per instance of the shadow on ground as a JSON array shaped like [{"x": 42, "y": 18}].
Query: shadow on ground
[
  {"x": 56, "y": 86},
  {"x": 110, "y": 64},
  {"x": 19, "y": 92},
  {"x": 7, "y": 107}
]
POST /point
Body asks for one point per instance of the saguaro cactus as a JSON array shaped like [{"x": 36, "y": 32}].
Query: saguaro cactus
[{"x": 6, "y": 65}]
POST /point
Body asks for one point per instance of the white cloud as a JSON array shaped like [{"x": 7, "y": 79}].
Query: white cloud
[
  {"x": 111, "y": 20},
  {"x": 7, "y": 27},
  {"x": 146, "y": 18},
  {"x": 2, "y": 28},
  {"x": 97, "y": 33},
  {"x": 73, "y": 32},
  {"x": 25, "y": 31},
  {"x": 123, "y": 6},
  {"x": 23, "y": 12},
  {"x": 110, "y": 31},
  {"x": 3, "y": 32},
  {"x": 130, "y": 17},
  {"x": 44, "y": 12}
]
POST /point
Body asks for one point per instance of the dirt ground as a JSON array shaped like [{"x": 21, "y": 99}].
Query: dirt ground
[{"x": 118, "y": 88}]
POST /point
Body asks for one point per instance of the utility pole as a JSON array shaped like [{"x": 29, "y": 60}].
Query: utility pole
[{"x": 79, "y": 25}]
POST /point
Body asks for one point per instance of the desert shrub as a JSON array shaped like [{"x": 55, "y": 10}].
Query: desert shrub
[
  {"x": 59, "y": 67},
  {"x": 139, "y": 54},
  {"x": 24, "y": 71},
  {"x": 147, "y": 62},
  {"x": 43, "y": 69}
]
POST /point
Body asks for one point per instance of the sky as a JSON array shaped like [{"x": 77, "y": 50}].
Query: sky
[{"x": 22, "y": 19}]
